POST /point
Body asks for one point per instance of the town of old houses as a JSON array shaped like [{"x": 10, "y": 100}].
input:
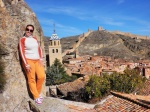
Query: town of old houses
[
  {"x": 84, "y": 66},
  {"x": 14, "y": 15}
]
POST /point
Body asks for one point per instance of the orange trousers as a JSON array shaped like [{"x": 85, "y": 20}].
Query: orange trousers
[{"x": 35, "y": 77}]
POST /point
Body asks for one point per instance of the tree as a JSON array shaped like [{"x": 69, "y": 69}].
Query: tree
[
  {"x": 56, "y": 74},
  {"x": 129, "y": 81},
  {"x": 97, "y": 86}
]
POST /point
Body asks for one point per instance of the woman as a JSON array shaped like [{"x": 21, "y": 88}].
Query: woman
[{"x": 32, "y": 57}]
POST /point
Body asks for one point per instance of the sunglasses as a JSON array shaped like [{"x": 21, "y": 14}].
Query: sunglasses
[{"x": 27, "y": 29}]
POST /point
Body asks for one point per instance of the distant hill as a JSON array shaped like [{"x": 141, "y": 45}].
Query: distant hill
[
  {"x": 68, "y": 42},
  {"x": 106, "y": 43}
]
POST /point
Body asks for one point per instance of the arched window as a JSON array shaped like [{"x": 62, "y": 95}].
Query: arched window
[
  {"x": 54, "y": 43},
  {"x": 51, "y": 43},
  {"x": 56, "y": 50},
  {"x": 53, "y": 51}
]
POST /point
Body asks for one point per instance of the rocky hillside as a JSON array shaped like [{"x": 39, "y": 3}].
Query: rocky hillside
[
  {"x": 105, "y": 43},
  {"x": 14, "y": 16},
  {"x": 68, "y": 42}
]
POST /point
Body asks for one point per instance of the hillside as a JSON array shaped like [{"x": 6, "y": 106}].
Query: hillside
[
  {"x": 68, "y": 42},
  {"x": 105, "y": 43}
]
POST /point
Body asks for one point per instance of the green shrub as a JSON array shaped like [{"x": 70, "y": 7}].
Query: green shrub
[
  {"x": 129, "y": 81},
  {"x": 97, "y": 86}
]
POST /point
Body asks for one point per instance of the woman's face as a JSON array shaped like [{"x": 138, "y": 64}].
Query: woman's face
[{"x": 29, "y": 31}]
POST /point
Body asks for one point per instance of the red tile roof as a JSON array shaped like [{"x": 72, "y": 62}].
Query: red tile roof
[
  {"x": 146, "y": 89},
  {"x": 72, "y": 86},
  {"x": 120, "y": 103}
]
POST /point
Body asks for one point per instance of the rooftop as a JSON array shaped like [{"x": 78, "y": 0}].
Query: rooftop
[{"x": 123, "y": 103}]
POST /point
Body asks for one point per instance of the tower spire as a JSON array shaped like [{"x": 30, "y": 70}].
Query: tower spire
[
  {"x": 54, "y": 35},
  {"x": 54, "y": 29}
]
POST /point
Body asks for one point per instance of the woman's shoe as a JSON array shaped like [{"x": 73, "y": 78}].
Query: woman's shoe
[
  {"x": 41, "y": 97},
  {"x": 38, "y": 101}
]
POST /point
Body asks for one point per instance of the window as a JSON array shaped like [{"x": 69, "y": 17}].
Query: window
[
  {"x": 58, "y": 42},
  {"x": 56, "y": 50},
  {"x": 53, "y": 51},
  {"x": 51, "y": 43},
  {"x": 54, "y": 43}
]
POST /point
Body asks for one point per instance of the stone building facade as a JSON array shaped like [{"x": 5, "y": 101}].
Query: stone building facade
[
  {"x": 55, "y": 50},
  {"x": 147, "y": 72}
]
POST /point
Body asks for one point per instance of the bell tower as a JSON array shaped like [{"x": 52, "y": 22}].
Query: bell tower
[{"x": 54, "y": 48}]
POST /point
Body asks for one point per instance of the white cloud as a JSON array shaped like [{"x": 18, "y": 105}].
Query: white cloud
[
  {"x": 70, "y": 11},
  {"x": 63, "y": 30},
  {"x": 104, "y": 17},
  {"x": 46, "y": 21},
  {"x": 111, "y": 21},
  {"x": 120, "y": 1},
  {"x": 136, "y": 20},
  {"x": 76, "y": 12},
  {"x": 64, "y": 10}
]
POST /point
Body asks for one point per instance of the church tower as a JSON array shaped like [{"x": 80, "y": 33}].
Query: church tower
[{"x": 54, "y": 48}]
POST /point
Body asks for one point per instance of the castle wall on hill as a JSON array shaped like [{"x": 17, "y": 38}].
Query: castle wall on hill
[
  {"x": 131, "y": 35},
  {"x": 81, "y": 38}
]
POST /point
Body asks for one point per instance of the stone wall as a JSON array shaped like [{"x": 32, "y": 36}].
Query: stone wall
[
  {"x": 13, "y": 19},
  {"x": 131, "y": 35}
]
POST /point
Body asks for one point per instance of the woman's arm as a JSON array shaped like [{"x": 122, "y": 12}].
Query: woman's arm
[{"x": 22, "y": 50}]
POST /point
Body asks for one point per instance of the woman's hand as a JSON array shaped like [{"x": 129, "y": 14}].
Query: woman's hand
[
  {"x": 41, "y": 62},
  {"x": 28, "y": 68}
]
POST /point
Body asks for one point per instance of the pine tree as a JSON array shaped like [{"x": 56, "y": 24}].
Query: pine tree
[{"x": 56, "y": 74}]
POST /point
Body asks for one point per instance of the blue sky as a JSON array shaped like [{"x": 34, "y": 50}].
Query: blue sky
[{"x": 73, "y": 17}]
